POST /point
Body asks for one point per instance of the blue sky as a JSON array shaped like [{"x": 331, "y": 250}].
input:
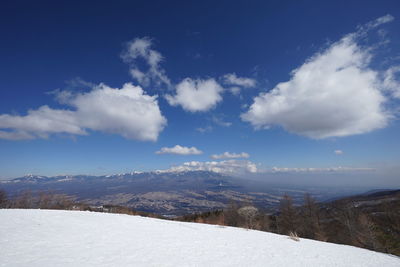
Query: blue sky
[{"x": 278, "y": 86}]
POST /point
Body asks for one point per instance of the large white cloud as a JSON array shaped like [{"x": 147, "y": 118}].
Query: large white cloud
[
  {"x": 196, "y": 95},
  {"x": 180, "y": 150},
  {"x": 228, "y": 155},
  {"x": 127, "y": 111},
  {"x": 141, "y": 48},
  {"x": 334, "y": 93}
]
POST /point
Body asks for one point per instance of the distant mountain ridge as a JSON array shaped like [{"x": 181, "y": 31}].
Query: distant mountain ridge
[{"x": 32, "y": 177}]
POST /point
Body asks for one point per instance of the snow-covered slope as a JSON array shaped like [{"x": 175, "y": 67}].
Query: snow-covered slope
[{"x": 74, "y": 238}]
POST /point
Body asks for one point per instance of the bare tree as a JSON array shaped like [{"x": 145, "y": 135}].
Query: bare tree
[
  {"x": 249, "y": 213},
  {"x": 24, "y": 200},
  {"x": 287, "y": 220},
  {"x": 365, "y": 232},
  {"x": 3, "y": 199},
  {"x": 264, "y": 222},
  {"x": 309, "y": 223},
  {"x": 62, "y": 202},
  {"x": 46, "y": 199},
  {"x": 231, "y": 214}
]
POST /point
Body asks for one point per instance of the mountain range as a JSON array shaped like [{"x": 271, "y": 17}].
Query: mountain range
[{"x": 168, "y": 192}]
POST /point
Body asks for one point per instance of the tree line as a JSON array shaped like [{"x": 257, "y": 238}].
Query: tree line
[
  {"x": 50, "y": 200},
  {"x": 339, "y": 222}
]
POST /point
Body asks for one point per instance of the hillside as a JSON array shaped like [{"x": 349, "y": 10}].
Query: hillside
[
  {"x": 74, "y": 238},
  {"x": 370, "y": 220}
]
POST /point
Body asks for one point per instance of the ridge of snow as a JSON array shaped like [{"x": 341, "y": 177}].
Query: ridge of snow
[{"x": 76, "y": 238}]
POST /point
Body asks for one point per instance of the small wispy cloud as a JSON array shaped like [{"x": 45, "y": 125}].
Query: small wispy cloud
[
  {"x": 338, "y": 152},
  {"x": 206, "y": 129},
  {"x": 391, "y": 81},
  {"x": 232, "y": 79},
  {"x": 179, "y": 150},
  {"x": 219, "y": 120},
  {"x": 228, "y": 155},
  {"x": 236, "y": 83},
  {"x": 141, "y": 48}
]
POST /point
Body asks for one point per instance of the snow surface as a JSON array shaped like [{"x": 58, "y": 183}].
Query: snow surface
[{"x": 77, "y": 238}]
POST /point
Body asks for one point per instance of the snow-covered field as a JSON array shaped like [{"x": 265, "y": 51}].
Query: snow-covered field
[{"x": 75, "y": 238}]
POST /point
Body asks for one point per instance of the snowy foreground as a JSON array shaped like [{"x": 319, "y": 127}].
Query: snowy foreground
[{"x": 75, "y": 238}]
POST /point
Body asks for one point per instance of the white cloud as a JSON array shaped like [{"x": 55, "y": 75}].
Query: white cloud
[
  {"x": 390, "y": 82},
  {"x": 235, "y": 90},
  {"x": 128, "y": 112},
  {"x": 237, "y": 83},
  {"x": 312, "y": 170},
  {"x": 220, "y": 121},
  {"x": 232, "y": 79},
  {"x": 196, "y": 95},
  {"x": 78, "y": 82},
  {"x": 180, "y": 150},
  {"x": 15, "y": 135},
  {"x": 204, "y": 129},
  {"x": 237, "y": 167},
  {"x": 140, "y": 48},
  {"x": 225, "y": 166},
  {"x": 228, "y": 155},
  {"x": 334, "y": 93},
  {"x": 338, "y": 152},
  {"x": 39, "y": 123},
  {"x": 375, "y": 23}
]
